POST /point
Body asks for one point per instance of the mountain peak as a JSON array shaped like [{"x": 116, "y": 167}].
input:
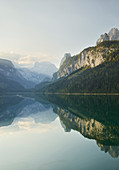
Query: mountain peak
[
  {"x": 46, "y": 68},
  {"x": 112, "y": 35},
  {"x": 113, "y": 30}
]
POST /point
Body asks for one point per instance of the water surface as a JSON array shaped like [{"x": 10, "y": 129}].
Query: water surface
[{"x": 59, "y": 132}]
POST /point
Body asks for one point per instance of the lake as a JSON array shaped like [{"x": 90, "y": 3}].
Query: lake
[{"x": 59, "y": 132}]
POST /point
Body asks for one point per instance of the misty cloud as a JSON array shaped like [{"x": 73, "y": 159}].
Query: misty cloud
[{"x": 25, "y": 60}]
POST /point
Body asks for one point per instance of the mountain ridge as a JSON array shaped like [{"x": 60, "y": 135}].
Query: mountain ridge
[
  {"x": 98, "y": 78},
  {"x": 92, "y": 57},
  {"x": 8, "y": 70},
  {"x": 112, "y": 35},
  {"x": 20, "y": 78}
]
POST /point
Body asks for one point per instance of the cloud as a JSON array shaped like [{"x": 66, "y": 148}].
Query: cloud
[{"x": 25, "y": 60}]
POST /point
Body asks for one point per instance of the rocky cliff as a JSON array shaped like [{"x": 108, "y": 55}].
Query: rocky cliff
[
  {"x": 90, "y": 57},
  {"x": 112, "y": 35}
]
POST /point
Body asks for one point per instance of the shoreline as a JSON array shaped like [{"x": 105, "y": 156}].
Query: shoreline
[{"x": 85, "y": 94}]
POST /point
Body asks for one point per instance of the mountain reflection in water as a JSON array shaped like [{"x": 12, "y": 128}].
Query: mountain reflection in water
[{"x": 95, "y": 117}]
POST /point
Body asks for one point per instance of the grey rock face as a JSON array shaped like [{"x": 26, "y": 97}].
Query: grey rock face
[
  {"x": 66, "y": 56},
  {"x": 90, "y": 57},
  {"x": 87, "y": 57},
  {"x": 112, "y": 35}
]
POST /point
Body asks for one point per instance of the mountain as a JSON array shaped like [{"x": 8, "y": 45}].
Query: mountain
[
  {"x": 24, "y": 77},
  {"x": 7, "y": 85},
  {"x": 41, "y": 72},
  {"x": 92, "y": 57},
  {"x": 10, "y": 74},
  {"x": 96, "y": 69},
  {"x": 45, "y": 68},
  {"x": 33, "y": 76},
  {"x": 112, "y": 35},
  {"x": 66, "y": 56}
]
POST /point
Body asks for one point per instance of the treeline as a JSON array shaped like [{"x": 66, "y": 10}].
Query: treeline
[{"x": 101, "y": 79}]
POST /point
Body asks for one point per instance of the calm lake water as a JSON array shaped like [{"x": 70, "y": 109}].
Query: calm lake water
[{"x": 59, "y": 132}]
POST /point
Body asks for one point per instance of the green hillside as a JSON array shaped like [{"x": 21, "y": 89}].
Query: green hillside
[
  {"x": 101, "y": 79},
  {"x": 91, "y": 57}
]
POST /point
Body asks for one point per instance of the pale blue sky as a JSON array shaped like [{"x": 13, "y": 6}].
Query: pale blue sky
[{"x": 43, "y": 30}]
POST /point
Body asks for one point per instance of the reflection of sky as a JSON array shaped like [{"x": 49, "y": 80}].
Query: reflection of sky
[
  {"x": 24, "y": 124},
  {"x": 26, "y": 144}
]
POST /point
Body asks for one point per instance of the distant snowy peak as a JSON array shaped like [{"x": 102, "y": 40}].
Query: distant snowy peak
[
  {"x": 112, "y": 35},
  {"x": 33, "y": 76},
  {"x": 46, "y": 68}
]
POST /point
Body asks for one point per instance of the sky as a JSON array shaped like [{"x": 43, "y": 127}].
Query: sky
[{"x": 44, "y": 30}]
